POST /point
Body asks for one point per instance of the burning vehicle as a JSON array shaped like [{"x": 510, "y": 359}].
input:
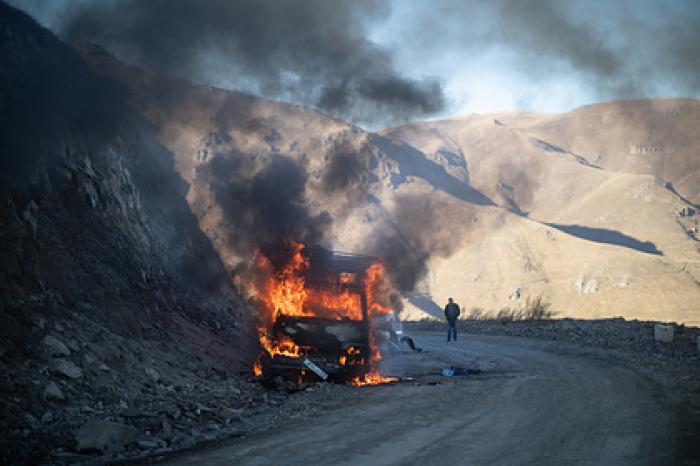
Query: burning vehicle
[{"x": 323, "y": 316}]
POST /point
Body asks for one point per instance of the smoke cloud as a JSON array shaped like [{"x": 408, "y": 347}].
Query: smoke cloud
[
  {"x": 420, "y": 231},
  {"x": 310, "y": 51},
  {"x": 264, "y": 206},
  {"x": 623, "y": 49}
]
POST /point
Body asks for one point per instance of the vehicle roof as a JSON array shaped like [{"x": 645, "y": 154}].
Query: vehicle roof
[{"x": 353, "y": 263}]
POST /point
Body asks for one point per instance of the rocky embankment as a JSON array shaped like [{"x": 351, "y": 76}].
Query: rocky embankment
[
  {"x": 115, "y": 307},
  {"x": 95, "y": 397}
]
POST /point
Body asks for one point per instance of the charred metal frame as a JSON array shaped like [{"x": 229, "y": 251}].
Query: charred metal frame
[{"x": 316, "y": 333}]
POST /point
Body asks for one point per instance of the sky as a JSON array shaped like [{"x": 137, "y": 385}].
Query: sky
[{"x": 378, "y": 63}]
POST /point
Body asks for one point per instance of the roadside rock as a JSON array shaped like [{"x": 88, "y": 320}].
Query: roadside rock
[
  {"x": 229, "y": 414},
  {"x": 67, "y": 457},
  {"x": 184, "y": 441},
  {"x": 104, "y": 436},
  {"x": 55, "y": 346},
  {"x": 150, "y": 444},
  {"x": 152, "y": 374},
  {"x": 53, "y": 392},
  {"x": 66, "y": 368}
]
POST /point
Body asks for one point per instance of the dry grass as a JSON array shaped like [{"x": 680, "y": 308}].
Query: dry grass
[{"x": 534, "y": 309}]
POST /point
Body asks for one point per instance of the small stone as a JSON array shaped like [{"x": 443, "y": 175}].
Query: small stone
[
  {"x": 130, "y": 412},
  {"x": 53, "y": 392},
  {"x": 73, "y": 345},
  {"x": 171, "y": 410},
  {"x": 184, "y": 441},
  {"x": 67, "y": 457},
  {"x": 104, "y": 367},
  {"x": 41, "y": 323},
  {"x": 58, "y": 327},
  {"x": 32, "y": 422},
  {"x": 104, "y": 436},
  {"x": 55, "y": 346},
  {"x": 152, "y": 374},
  {"x": 202, "y": 408},
  {"x": 228, "y": 413},
  {"x": 47, "y": 417},
  {"x": 150, "y": 444},
  {"x": 66, "y": 368}
]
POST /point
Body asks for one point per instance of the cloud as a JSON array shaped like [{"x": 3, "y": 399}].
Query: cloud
[{"x": 596, "y": 50}]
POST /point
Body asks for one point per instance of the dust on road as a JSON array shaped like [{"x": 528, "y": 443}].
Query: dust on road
[{"x": 530, "y": 405}]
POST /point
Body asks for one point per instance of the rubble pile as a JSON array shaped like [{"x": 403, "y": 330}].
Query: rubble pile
[{"x": 88, "y": 394}]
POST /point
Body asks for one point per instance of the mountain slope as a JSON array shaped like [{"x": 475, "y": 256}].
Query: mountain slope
[
  {"x": 484, "y": 204},
  {"x": 108, "y": 285},
  {"x": 600, "y": 233}
]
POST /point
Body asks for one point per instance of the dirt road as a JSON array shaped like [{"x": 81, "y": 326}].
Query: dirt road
[{"x": 530, "y": 405}]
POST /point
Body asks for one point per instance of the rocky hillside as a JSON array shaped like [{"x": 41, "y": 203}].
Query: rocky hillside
[{"x": 110, "y": 291}]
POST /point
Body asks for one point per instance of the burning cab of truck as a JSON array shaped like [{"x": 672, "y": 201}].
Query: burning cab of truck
[{"x": 323, "y": 315}]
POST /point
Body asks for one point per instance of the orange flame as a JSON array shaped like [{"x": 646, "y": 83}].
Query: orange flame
[
  {"x": 285, "y": 293},
  {"x": 257, "y": 366},
  {"x": 372, "y": 378},
  {"x": 283, "y": 346}
]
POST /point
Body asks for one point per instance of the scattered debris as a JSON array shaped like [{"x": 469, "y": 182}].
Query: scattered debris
[
  {"x": 454, "y": 370},
  {"x": 411, "y": 344},
  {"x": 317, "y": 370}
]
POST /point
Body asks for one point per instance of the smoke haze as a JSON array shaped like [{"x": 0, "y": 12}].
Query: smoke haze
[
  {"x": 371, "y": 61},
  {"x": 310, "y": 51}
]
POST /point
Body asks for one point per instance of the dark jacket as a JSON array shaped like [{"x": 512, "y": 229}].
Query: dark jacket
[{"x": 452, "y": 311}]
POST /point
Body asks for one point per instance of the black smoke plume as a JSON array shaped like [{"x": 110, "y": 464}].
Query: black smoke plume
[
  {"x": 418, "y": 231},
  {"x": 265, "y": 207},
  {"x": 624, "y": 49},
  {"x": 313, "y": 51}
]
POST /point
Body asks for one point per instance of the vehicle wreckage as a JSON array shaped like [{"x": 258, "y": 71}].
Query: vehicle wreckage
[{"x": 338, "y": 330}]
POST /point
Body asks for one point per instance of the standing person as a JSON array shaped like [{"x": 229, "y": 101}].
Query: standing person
[{"x": 451, "y": 314}]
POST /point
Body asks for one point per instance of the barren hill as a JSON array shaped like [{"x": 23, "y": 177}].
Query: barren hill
[
  {"x": 605, "y": 223},
  {"x": 593, "y": 209}
]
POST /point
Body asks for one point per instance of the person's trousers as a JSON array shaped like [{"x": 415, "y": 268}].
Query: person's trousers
[{"x": 451, "y": 329}]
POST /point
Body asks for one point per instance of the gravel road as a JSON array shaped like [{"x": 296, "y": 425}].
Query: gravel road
[{"x": 532, "y": 404}]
